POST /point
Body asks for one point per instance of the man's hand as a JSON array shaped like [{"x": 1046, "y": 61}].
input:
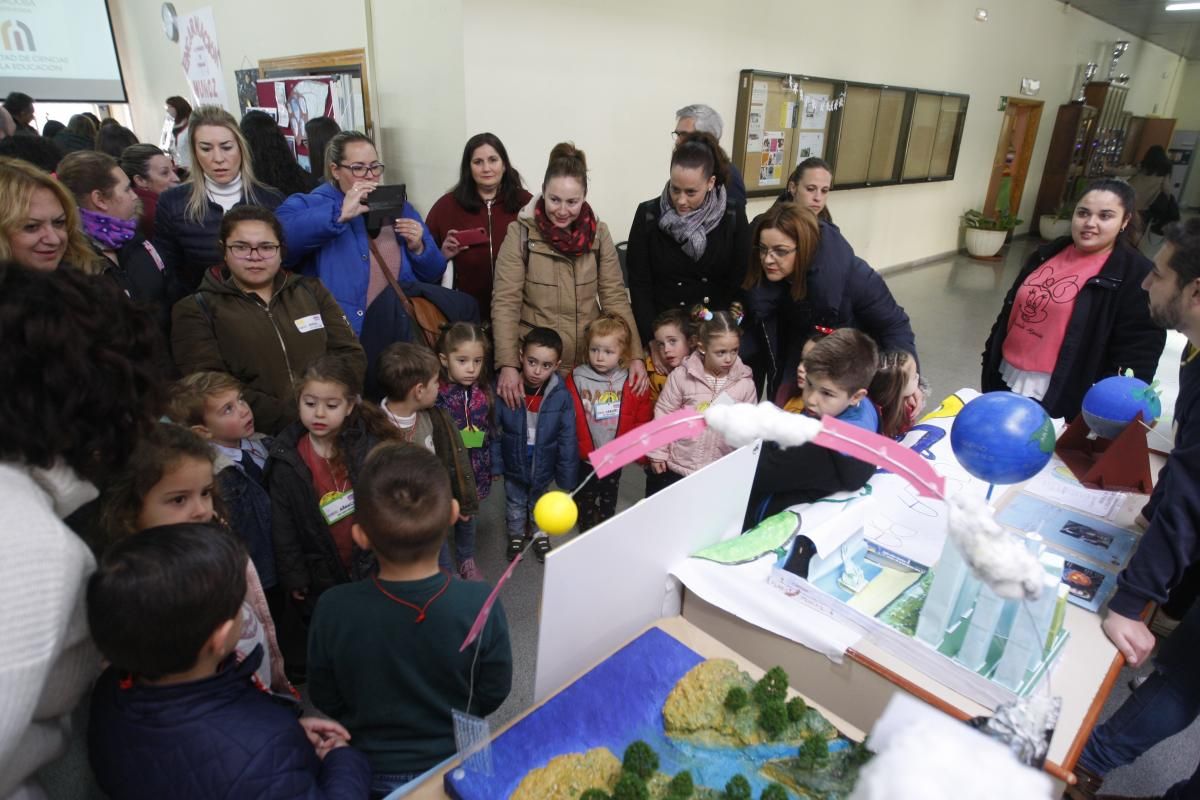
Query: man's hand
[{"x": 1131, "y": 637}]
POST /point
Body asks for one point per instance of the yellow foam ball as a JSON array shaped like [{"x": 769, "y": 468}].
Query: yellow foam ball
[{"x": 555, "y": 513}]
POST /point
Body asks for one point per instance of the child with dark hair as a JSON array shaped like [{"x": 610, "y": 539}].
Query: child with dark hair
[
  {"x": 536, "y": 442},
  {"x": 176, "y": 715},
  {"x": 314, "y": 467},
  {"x": 410, "y": 376},
  {"x": 384, "y": 654},
  {"x": 712, "y": 374},
  {"x": 838, "y": 369}
]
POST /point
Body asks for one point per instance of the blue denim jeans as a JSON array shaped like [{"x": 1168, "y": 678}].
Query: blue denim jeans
[
  {"x": 384, "y": 783},
  {"x": 518, "y": 506},
  {"x": 1164, "y": 705},
  {"x": 464, "y": 540}
]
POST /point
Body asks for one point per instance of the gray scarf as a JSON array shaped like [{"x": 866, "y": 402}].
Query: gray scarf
[{"x": 691, "y": 230}]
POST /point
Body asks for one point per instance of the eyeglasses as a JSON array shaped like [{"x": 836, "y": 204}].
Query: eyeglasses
[
  {"x": 677, "y": 134},
  {"x": 243, "y": 250},
  {"x": 780, "y": 253},
  {"x": 361, "y": 170}
]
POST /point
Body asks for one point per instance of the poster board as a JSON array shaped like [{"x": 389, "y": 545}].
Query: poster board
[
  {"x": 352, "y": 63},
  {"x": 872, "y": 134}
]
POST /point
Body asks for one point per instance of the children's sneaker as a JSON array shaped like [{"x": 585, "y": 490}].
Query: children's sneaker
[
  {"x": 516, "y": 544},
  {"x": 541, "y": 546},
  {"x": 470, "y": 571}
]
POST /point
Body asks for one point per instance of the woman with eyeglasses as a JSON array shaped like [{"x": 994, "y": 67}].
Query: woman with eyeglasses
[
  {"x": 328, "y": 238},
  {"x": 802, "y": 276},
  {"x": 257, "y": 322},
  {"x": 188, "y": 216},
  {"x": 685, "y": 245}
]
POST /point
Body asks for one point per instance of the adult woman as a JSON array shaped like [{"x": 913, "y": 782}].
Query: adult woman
[
  {"x": 803, "y": 274},
  {"x": 39, "y": 222},
  {"x": 108, "y": 207},
  {"x": 175, "y": 141},
  {"x": 327, "y": 235},
  {"x": 1077, "y": 312},
  {"x": 318, "y": 131},
  {"x": 151, "y": 173},
  {"x": 1152, "y": 179},
  {"x": 113, "y": 139},
  {"x": 488, "y": 195},
  {"x": 557, "y": 269},
  {"x": 78, "y": 401},
  {"x": 80, "y": 134},
  {"x": 188, "y": 215},
  {"x": 686, "y": 246},
  {"x": 260, "y": 324},
  {"x": 809, "y": 186},
  {"x": 274, "y": 163}
]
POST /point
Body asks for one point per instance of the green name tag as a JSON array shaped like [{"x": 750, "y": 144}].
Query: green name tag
[
  {"x": 336, "y": 506},
  {"x": 472, "y": 437}
]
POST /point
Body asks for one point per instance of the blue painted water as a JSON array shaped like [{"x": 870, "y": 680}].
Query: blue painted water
[{"x": 617, "y": 702}]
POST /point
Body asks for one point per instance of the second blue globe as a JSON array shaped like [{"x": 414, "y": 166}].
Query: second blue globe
[{"x": 1001, "y": 437}]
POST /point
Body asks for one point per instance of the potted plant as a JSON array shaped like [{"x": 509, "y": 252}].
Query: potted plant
[
  {"x": 986, "y": 235},
  {"x": 1056, "y": 225}
]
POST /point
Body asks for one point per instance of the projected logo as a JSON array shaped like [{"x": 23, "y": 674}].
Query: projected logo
[{"x": 16, "y": 36}]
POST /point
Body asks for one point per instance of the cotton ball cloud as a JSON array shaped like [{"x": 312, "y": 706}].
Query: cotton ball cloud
[
  {"x": 743, "y": 423},
  {"x": 927, "y": 762},
  {"x": 995, "y": 556}
]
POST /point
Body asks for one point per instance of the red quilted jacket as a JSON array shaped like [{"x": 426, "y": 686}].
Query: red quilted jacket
[{"x": 636, "y": 409}]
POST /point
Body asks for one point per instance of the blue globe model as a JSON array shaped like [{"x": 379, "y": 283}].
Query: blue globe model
[
  {"x": 1001, "y": 437},
  {"x": 1112, "y": 403}
]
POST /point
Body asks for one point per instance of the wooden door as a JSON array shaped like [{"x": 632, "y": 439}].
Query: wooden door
[{"x": 1010, "y": 167}]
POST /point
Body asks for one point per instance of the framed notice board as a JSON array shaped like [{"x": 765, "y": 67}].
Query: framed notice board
[{"x": 872, "y": 134}]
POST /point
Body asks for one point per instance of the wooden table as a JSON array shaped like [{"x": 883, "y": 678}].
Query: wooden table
[{"x": 698, "y": 640}]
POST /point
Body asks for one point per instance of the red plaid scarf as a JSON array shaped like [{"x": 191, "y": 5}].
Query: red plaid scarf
[{"x": 573, "y": 240}]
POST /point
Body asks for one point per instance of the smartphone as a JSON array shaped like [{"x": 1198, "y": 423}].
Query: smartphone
[
  {"x": 385, "y": 203},
  {"x": 471, "y": 236}
]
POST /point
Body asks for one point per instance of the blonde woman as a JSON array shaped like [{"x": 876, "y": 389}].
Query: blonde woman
[
  {"x": 189, "y": 215},
  {"x": 40, "y": 221}
]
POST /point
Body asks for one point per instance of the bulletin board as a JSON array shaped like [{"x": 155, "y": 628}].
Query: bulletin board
[{"x": 872, "y": 134}]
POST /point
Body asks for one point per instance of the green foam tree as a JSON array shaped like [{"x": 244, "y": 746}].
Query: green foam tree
[
  {"x": 630, "y": 787},
  {"x": 814, "y": 753},
  {"x": 736, "y": 699},
  {"x": 772, "y": 718},
  {"x": 681, "y": 786},
  {"x": 773, "y": 686},
  {"x": 594, "y": 794},
  {"x": 796, "y": 708},
  {"x": 640, "y": 759},
  {"x": 774, "y": 792},
  {"x": 738, "y": 788}
]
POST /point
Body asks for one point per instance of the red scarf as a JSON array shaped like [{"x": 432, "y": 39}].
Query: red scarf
[{"x": 573, "y": 240}]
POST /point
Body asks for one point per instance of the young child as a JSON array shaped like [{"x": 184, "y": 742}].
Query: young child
[
  {"x": 674, "y": 332},
  {"x": 606, "y": 406},
  {"x": 170, "y": 480},
  {"x": 384, "y": 654},
  {"x": 410, "y": 374},
  {"x": 212, "y": 405},
  {"x": 314, "y": 465},
  {"x": 793, "y": 398},
  {"x": 712, "y": 374},
  {"x": 176, "y": 714},
  {"x": 465, "y": 392},
  {"x": 897, "y": 393},
  {"x": 838, "y": 370},
  {"x": 535, "y": 444}
]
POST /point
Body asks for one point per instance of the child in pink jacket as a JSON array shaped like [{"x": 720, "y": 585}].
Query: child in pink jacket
[{"x": 713, "y": 373}]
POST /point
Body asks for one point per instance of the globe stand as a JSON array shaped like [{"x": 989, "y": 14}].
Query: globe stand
[{"x": 1121, "y": 464}]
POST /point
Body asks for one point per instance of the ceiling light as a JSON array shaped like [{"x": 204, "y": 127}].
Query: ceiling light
[
  {"x": 981, "y": 14},
  {"x": 1183, "y": 6}
]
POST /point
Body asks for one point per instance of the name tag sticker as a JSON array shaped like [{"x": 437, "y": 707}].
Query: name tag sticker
[
  {"x": 336, "y": 506},
  {"x": 313, "y": 322},
  {"x": 531, "y": 436}
]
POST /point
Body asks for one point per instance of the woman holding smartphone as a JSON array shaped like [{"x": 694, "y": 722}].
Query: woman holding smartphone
[{"x": 470, "y": 221}]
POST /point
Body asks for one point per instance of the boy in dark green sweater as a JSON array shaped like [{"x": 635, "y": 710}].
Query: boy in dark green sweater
[{"x": 383, "y": 653}]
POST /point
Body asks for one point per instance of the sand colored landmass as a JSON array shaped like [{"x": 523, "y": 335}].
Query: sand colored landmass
[{"x": 566, "y": 777}]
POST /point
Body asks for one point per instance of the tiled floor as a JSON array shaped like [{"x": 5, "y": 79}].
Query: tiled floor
[{"x": 953, "y": 304}]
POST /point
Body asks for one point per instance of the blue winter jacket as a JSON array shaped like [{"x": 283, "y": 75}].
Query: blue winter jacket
[
  {"x": 220, "y": 737},
  {"x": 843, "y": 291},
  {"x": 339, "y": 253},
  {"x": 556, "y": 452}
]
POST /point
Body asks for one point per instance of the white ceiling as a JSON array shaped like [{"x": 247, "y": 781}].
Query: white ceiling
[{"x": 1177, "y": 31}]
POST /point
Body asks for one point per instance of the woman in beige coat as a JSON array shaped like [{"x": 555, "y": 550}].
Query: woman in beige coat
[{"x": 557, "y": 269}]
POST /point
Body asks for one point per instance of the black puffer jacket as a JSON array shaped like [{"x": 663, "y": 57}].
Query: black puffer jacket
[
  {"x": 1110, "y": 330},
  {"x": 305, "y": 554},
  {"x": 147, "y": 282},
  {"x": 188, "y": 247}
]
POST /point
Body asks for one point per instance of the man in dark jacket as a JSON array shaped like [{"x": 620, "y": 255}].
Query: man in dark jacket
[
  {"x": 176, "y": 715},
  {"x": 1169, "y": 700}
]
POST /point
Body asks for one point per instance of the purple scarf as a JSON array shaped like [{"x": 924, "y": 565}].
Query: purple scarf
[{"x": 108, "y": 232}]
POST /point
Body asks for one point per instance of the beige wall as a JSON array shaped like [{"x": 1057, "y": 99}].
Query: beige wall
[
  {"x": 1187, "y": 110},
  {"x": 608, "y": 77}
]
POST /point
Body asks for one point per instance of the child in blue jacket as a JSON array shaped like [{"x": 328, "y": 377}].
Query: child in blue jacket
[{"x": 535, "y": 443}]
